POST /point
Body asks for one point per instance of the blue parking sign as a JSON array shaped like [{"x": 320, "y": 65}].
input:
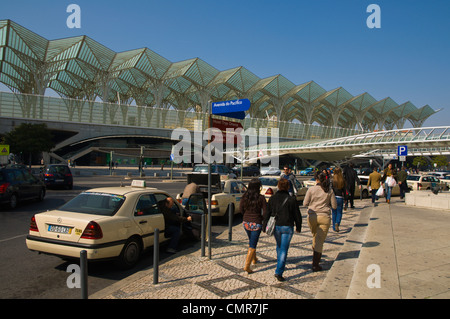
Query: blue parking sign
[{"x": 402, "y": 150}]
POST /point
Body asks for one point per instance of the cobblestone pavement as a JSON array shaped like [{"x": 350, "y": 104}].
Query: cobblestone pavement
[{"x": 188, "y": 275}]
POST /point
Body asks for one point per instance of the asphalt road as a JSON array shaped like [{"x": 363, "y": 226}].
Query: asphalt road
[{"x": 29, "y": 275}]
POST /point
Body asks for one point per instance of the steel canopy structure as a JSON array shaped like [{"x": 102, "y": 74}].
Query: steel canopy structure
[
  {"x": 429, "y": 140},
  {"x": 81, "y": 68}
]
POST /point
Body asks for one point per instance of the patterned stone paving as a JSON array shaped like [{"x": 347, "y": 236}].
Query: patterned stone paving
[{"x": 188, "y": 275}]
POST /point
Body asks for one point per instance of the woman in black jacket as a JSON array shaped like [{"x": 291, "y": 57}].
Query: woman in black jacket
[{"x": 287, "y": 213}]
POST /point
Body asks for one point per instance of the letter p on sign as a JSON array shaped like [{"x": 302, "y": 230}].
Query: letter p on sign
[{"x": 402, "y": 150}]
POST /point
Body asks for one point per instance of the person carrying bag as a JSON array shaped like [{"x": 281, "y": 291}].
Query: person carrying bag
[{"x": 286, "y": 213}]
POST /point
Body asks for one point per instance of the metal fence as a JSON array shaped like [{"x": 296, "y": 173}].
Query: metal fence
[{"x": 47, "y": 108}]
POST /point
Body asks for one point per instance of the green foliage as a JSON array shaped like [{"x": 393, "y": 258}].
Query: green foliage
[
  {"x": 28, "y": 139},
  {"x": 420, "y": 161},
  {"x": 440, "y": 160}
]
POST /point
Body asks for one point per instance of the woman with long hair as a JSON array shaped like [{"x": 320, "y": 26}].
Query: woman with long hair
[
  {"x": 319, "y": 199},
  {"x": 338, "y": 184},
  {"x": 287, "y": 213},
  {"x": 253, "y": 208}
]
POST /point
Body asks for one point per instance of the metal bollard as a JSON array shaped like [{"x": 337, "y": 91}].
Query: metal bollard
[
  {"x": 203, "y": 235},
  {"x": 84, "y": 274},
  {"x": 230, "y": 220},
  {"x": 156, "y": 257}
]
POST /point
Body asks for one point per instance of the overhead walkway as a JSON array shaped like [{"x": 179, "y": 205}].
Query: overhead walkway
[{"x": 432, "y": 140}]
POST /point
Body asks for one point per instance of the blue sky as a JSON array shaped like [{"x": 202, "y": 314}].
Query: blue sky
[{"x": 328, "y": 41}]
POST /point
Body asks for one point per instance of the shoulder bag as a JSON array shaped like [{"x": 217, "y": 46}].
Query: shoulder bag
[{"x": 272, "y": 220}]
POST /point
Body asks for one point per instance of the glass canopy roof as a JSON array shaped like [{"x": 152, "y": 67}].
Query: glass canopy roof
[{"x": 82, "y": 68}]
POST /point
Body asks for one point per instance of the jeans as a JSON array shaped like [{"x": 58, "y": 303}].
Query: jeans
[
  {"x": 374, "y": 196},
  {"x": 283, "y": 236},
  {"x": 174, "y": 232},
  {"x": 253, "y": 237},
  {"x": 403, "y": 188},
  {"x": 336, "y": 214},
  {"x": 388, "y": 191}
]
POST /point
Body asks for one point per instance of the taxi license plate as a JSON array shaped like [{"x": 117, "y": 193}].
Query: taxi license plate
[{"x": 59, "y": 229}]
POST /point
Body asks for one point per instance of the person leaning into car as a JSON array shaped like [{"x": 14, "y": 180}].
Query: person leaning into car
[{"x": 172, "y": 223}]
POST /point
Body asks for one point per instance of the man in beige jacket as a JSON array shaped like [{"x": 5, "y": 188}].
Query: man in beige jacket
[{"x": 374, "y": 183}]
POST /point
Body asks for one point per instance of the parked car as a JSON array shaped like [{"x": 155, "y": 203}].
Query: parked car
[
  {"x": 223, "y": 193},
  {"x": 307, "y": 171},
  {"x": 269, "y": 188},
  {"x": 364, "y": 171},
  {"x": 439, "y": 175},
  {"x": 422, "y": 182},
  {"x": 58, "y": 175},
  {"x": 365, "y": 189},
  {"x": 109, "y": 223},
  {"x": 17, "y": 185},
  {"x": 446, "y": 180},
  {"x": 222, "y": 170},
  {"x": 247, "y": 171},
  {"x": 269, "y": 170},
  {"x": 310, "y": 182}
]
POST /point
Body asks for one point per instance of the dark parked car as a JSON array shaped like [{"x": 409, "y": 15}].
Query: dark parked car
[
  {"x": 17, "y": 185},
  {"x": 247, "y": 171},
  {"x": 222, "y": 170},
  {"x": 58, "y": 175}
]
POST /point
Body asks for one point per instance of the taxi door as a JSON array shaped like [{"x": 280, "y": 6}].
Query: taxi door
[
  {"x": 148, "y": 217},
  {"x": 237, "y": 190}
]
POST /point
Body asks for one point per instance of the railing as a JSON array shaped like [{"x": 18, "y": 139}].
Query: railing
[
  {"x": 47, "y": 108},
  {"x": 433, "y": 137}
]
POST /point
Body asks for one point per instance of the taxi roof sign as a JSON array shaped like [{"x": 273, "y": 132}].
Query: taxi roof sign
[{"x": 138, "y": 183}]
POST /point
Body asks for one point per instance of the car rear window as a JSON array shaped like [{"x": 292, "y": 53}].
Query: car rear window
[
  {"x": 58, "y": 169},
  {"x": 94, "y": 203},
  {"x": 200, "y": 168},
  {"x": 269, "y": 181},
  {"x": 413, "y": 178}
]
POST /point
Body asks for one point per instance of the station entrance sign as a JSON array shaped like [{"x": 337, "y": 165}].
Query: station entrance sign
[{"x": 233, "y": 108}]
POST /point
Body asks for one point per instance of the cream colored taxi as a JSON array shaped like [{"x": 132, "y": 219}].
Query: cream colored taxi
[
  {"x": 270, "y": 187},
  {"x": 224, "y": 193},
  {"x": 110, "y": 222}
]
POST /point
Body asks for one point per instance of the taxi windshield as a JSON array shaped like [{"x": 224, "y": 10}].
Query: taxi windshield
[{"x": 94, "y": 203}]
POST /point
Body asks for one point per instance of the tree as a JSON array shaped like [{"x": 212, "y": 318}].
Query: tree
[
  {"x": 420, "y": 161},
  {"x": 440, "y": 160},
  {"x": 29, "y": 139}
]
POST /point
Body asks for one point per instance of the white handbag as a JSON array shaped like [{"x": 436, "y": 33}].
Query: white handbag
[
  {"x": 380, "y": 192},
  {"x": 390, "y": 181}
]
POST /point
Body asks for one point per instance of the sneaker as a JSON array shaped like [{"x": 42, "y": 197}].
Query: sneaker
[{"x": 279, "y": 277}]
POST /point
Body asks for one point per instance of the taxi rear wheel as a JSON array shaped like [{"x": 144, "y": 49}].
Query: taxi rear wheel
[{"x": 130, "y": 254}]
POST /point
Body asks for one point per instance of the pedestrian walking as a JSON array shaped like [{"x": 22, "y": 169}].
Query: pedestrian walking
[
  {"x": 287, "y": 213},
  {"x": 389, "y": 174},
  {"x": 253, "y": 207},
  {"x": 339, "y": 189},
  {"x": 374, "y": 183},
  {"x": 351, "y": 177},
  {"x": 319, "y": 199},
  {"x": 402, "y": 183},
  {"x": 288, "y": 175}
]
